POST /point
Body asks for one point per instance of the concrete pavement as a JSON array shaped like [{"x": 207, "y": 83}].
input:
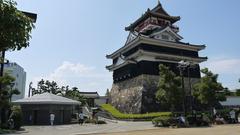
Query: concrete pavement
[{"x": 75, "y": 129}]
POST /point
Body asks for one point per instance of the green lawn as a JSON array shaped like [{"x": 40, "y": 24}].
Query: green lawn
[{"x": 148, "y": 116}]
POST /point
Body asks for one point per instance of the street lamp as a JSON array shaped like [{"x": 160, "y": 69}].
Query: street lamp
[{"x": 183, "y": 65}]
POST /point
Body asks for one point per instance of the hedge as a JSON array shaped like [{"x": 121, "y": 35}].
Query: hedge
[
  {"x": 148, "y": 116},
  {"x": 163, "y": 121},
  {"x": 17, "y": 117}
]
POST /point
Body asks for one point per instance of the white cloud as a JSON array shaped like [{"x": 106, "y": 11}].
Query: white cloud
[
  {"x": 86, "y": 78},
  {"x": 228, "y": 70},
  {"x": 224, "y": 65}
]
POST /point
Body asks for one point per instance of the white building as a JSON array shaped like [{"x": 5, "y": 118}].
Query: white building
[{"x": 19, "y": 74}]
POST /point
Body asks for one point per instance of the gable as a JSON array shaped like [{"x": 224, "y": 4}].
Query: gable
[
  {"x": 131, "y": 37},
  {"x": 120, "y": 60},
  {"x": 166, "y": 34}
]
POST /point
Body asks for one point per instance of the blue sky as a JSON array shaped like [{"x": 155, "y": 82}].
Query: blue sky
[{"x": 72, "y": 37}]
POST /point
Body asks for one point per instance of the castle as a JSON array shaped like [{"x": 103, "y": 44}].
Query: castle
[{"x": 153, "y": 39}]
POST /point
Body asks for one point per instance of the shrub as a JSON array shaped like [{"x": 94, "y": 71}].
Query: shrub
[
  {"x": 17, "y": 117},
  {"x": 93, "y": 121},
  {"x": 199, "y": 120},
  {"x": 223, "y": 112},
  {"x": 148, "y": 116},
  {"x": 164, "y": 121}
]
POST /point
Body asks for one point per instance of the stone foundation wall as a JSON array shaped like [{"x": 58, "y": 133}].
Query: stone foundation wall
[
  {"x": 137, "y": 95},
  {"x": 126, "y": 96}
]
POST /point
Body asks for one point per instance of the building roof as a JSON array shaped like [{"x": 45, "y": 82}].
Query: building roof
[
  {"x": 154, "y": 56},
  {"x": 143, "y": 39},
  {"x": 90, "y": 94},
  {"x": 158, "y": 11},
  {"x": 30, "y": 15},
  {"x": 231, "y": 101},
  {"x": 47, "y": 98}
]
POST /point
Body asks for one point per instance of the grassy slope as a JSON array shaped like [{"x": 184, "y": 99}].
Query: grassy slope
[{"x": 115, "y": 113}]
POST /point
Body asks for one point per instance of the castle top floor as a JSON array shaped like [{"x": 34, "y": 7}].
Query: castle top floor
[{"x": 155, "y": 18}]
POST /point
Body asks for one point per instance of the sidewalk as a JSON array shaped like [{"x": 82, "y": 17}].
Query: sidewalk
[{"x": 76, "y": 129}]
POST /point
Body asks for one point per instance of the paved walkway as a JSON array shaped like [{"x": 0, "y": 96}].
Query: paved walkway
[
  {"x": 214, "y": 130},
  {"x": 76, "y": 129}
]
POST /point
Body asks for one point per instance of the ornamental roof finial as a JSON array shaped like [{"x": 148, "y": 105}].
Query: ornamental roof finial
[{"x": 159, "y": 3}]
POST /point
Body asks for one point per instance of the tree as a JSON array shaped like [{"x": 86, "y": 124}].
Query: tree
[
  {"x": 52, "y": 87},
  {"x": 6, "y": 93},
  {"x": 169, "y": 88},
  {"x": 209, "y": 91},
  {"x": 17, "y": 117},
  {"x": 15, "y": 27},
  {"x": 107, "y": 94},
  {"x": 41, "y": 87},
  {"x": 47, "y": 86},
  {"x": 238, "y": 92},
  {"x": 228, "y": 92},
  {"x": 75, "y": 94}
]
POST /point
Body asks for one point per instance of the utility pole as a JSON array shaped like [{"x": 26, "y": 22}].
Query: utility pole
[{"x": 183, "y": 90}]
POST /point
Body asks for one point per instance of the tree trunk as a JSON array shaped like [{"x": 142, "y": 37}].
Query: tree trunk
[{"x": 3, "y": 114}]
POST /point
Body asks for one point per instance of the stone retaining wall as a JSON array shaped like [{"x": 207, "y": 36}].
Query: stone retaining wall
[{"x": 137, "y": 95}]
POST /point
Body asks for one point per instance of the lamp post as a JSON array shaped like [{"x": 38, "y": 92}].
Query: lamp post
[{"x": 182, "y": 66}]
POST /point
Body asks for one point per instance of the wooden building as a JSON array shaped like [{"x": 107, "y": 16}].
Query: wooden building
[{"x": 153, "y": 39}]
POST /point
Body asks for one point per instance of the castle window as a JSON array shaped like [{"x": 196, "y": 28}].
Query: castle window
[
  {"x": 157, "y": 37},
  {"x": 165, "y": 37}
]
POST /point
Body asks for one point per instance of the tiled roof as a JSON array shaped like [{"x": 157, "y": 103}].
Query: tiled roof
[
  {"x": 90, "y": 94},
  {"x": 231, "y": 101}
]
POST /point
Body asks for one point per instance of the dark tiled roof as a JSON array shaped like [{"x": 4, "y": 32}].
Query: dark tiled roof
[
  {"x": 159, "y": 12},
  {"x": 31, "y": 15},
  {"x": 149, "y": 32},
  {"x": 90, "y": 94},
  {"x": 231, "y": 101}
]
